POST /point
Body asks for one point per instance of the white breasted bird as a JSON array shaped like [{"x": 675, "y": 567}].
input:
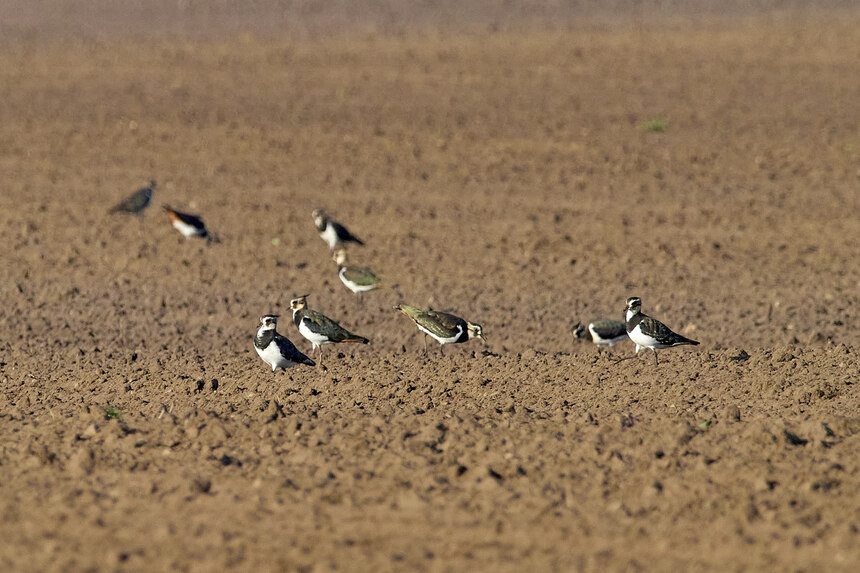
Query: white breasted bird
[
  {"x": 275, "y": 349},
  {"x": 331, "y": 231},
  {"x": 188, "y": 225},
  {"x": 318, "y": 328},
  {"x": 601, "y": 331},
  {"x": 443, "y": 327},
  {"x": 137, "y": 202},
  {"x": 355, "y": 278},
  {"x": 647, "y": 332}
]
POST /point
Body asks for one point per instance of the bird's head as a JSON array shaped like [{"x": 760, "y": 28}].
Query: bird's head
[
  {"x": 299, "y": 302},
  {"x": 319, "y": 218},
  {"x": 475, "y": 331},
  {"x": 339, "y": 257}
]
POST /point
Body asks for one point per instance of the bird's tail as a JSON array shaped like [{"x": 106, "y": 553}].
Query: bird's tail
[{"x": 356, "y": 338}]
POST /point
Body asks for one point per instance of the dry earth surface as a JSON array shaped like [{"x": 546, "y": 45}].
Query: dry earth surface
[{"x": 516, "y": 177}]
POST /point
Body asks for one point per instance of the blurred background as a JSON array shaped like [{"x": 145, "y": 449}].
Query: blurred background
[{"x": 310, "y": 18}]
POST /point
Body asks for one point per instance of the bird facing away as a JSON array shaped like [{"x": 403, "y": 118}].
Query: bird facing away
[
  {"x": 318, "y": 328},
  {"x": 333, "y": 232},
  {"x": 357, "y": 279},
  {"x": 276, "y": 350},
  {"x": 601, "y": 331},
  {"x": 647, "y": 332},
  {"x": 137, "y": 202},
  {"x": 443, "y": 327},
  {"x": 188, "y": 225}
]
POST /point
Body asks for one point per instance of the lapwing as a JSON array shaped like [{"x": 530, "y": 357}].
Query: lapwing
[
  {"x": 188, "y": 225},
  {"x": 333, "y": 232},
  {"x": 357, "y": 279},
  {"x": 318, "y": 328},
  {"x": 275, "y": 349},
  {"x": 647, "y": 332},
  {"x": 137, "y": 202},
  {"x": 602, "y": 332},
  {"x": 443, "y": 327}
]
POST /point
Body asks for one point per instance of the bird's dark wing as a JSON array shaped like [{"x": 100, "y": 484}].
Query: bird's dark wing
[
  {"x": 343, "y": 233},
  {"x": 441, "y": 324},
  {"x": 656, "y": 329},
  {"x": 136, "y": 202},
  {"x": 321, "y": 324},
  {"x": 362, "y": 276},
  {"x": 289, "y": 350},
  {"x": 192, "y": 220},
  {"x": 608, "y": 329}
]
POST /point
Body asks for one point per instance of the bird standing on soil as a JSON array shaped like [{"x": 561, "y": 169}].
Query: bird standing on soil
[
  {"x": 275, "y": 349},
  {"x": 647, "y": 332},
  {"x": 333, "y": 232},
  {"x": 318, "y": 328},
  {"x": 443, "y": 327},
  {"x": 357, "y": 279},
  {"x": 188, "y": 225},
  {"x": 137, "y": 202},
  {"x": 601, "y": 331}
]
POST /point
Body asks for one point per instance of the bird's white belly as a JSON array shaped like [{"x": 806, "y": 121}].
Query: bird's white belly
[
  {"x": 273, "y": 357},
  {"x": 329, "y": 236},
  {"x": 642, "y": 340},
  {"x": 352, "y": 286},
  {"x": 315, "y": 338},
  {"x": 439, "y": 339},
  {"x": 186, "y": 229}
]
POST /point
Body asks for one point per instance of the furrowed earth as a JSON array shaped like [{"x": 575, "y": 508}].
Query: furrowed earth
[{"x": 525, "y": 179}]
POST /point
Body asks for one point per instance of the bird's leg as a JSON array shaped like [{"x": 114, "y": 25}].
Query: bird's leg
[
  {"x": 441, "y": 350},
  {"x": 425, "y": 345},
  {"x": 656, "y": 363}
]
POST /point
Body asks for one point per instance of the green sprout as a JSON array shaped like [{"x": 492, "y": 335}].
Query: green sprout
[
  {"x": 655, "y": 125},
  {"x": 112, "y": 413}
]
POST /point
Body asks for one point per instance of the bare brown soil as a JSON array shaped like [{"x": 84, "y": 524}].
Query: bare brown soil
[{"x": 510, "y": 178}]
